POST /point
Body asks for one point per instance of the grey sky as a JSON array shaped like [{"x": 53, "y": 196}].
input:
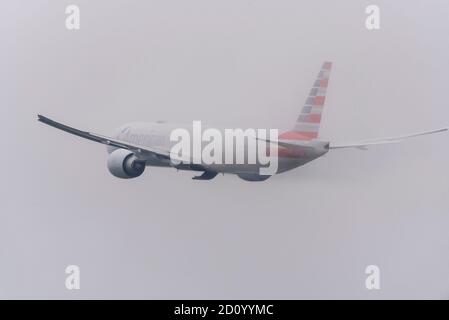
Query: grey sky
[{"x": 309, "y": 233}]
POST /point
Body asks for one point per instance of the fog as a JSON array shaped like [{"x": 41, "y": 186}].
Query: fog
[{"x": 308, "y": 233}]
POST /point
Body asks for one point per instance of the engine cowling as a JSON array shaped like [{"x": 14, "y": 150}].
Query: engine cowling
[
  {"x": 124, "y": 164},
  {"x": 252, "y": 177}
]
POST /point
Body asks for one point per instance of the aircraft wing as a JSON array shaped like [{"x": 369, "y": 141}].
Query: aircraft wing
[
  {"x": 366, "y": 143},
  {"x": 139, "y": 151}
]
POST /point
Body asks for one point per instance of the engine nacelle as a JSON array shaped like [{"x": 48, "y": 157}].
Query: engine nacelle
[
  {"x": 124, "y": 164},
  {"x": 252, "y": 177}
]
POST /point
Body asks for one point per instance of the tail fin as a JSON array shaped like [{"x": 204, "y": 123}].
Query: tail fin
[{"x": 308, "y": 123}]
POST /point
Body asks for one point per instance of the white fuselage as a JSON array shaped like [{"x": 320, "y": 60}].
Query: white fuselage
[{"x": 158, "y": 134}]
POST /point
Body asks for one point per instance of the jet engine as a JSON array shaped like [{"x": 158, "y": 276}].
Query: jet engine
[
  {"x": 252, "y": 177},
  {"x": 124, "y": 164}
]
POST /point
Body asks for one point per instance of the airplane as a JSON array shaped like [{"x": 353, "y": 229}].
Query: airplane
[{"x": 134, "y": 146}]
